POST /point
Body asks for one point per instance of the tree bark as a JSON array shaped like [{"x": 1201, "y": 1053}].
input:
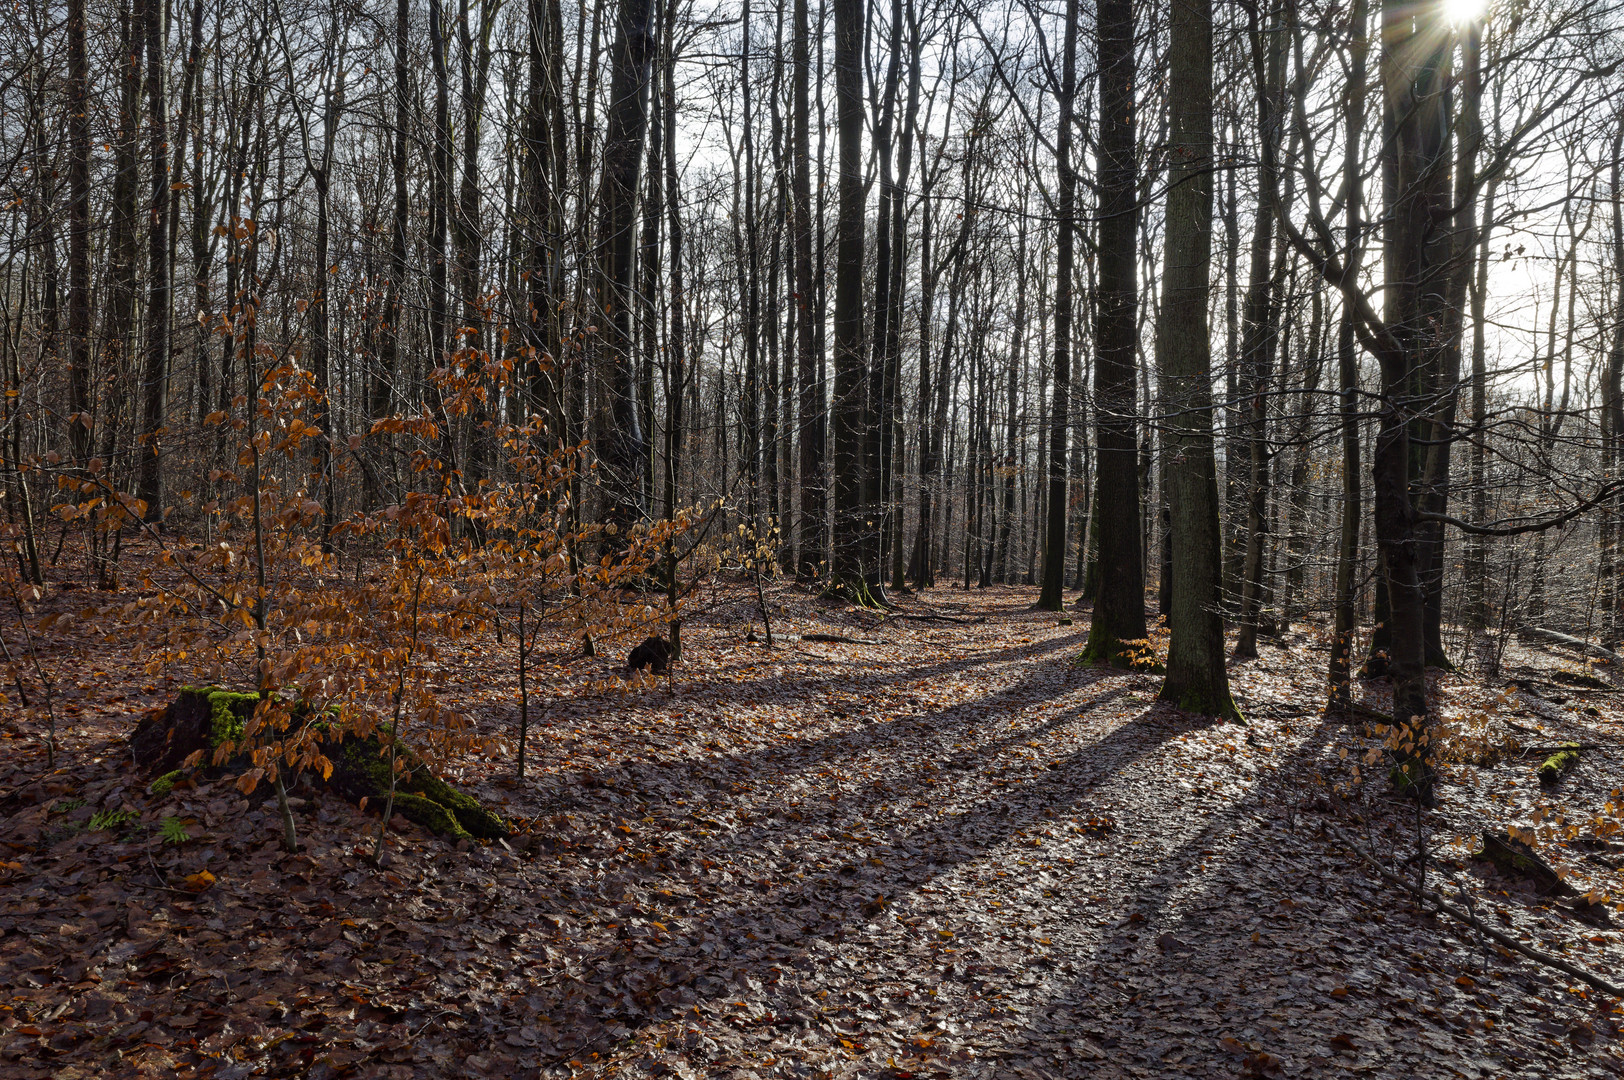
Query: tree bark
[
  {"x": 80, "y": 404},
  {"x": 1197, "y": 680},
  {"x": 1119, "y": 603},
  {"x": 618, "y": 433},
  {"x": 810, "y": 391},
  {"x": 851, "y": 528},
  {"x": 155, "y": 372},
  {"x": 1051, "y": 597}
]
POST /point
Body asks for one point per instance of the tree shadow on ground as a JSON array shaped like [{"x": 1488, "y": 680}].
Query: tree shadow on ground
[
  {"x": 570, "y": 791},
  {"x": 645, "y": 978}
]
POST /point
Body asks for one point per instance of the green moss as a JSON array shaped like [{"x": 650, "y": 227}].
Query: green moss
[
  {"x": 429, "y": 814},
  {"x": 368, "y": 760},
  {"x": 1194, "y": 701},
  {"x": 228, "y": 711},
  {"x": 470, "y": 815},
  {"x": 1557, "y": 765},
  {"x": 166, "y": 783}
]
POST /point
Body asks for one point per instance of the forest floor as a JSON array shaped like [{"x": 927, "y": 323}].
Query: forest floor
[{"x": 953, "y": 852}]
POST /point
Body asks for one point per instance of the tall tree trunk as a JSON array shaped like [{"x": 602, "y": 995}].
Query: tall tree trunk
[
  {"x": 1344, "y": 622},
  {"x": 618, "y": 432},
  {"x": 542, "y": 374},
  {"x": 851, "y": 526},
  {"x": 395, "y": 306},
  {"x": 1257, "y": 338},
  {"x": 1197, "y": 680},
  {"x": 1613, "y": 616},
  {"x": 1120, "y": 78},
  {"x": 1414, "y": 41},
  {"x": 810, "y": 391},
  {"x": 80, "y": 403},
  {"x": 1017, "y": 360},
  {"x": 1448, "y": 324},
  {"x": 677, "y": 344},
  {"x": 155, "y": 372},
  {"x": 893, "y": 451},
  {"x": 1119, "y": 603}
]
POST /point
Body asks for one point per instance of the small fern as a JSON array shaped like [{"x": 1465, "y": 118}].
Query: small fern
[
  {"x": 173, "y": 831},
  {"x": 112, "y": 819}
]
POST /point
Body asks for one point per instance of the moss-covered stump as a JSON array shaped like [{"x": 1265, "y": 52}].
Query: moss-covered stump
[
  {"x": 1555, "y": 767},
  {"x": 200, "y": 718}
]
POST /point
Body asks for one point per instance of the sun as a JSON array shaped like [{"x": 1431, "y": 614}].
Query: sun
[{"x": 1458, "y": 12}]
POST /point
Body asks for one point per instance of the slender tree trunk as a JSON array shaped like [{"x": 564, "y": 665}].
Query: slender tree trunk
[
  {"x": 155, "y": 373},
  {"x": 1257, "y": 340},
  {"x": 1120, "y": 78},
  {"x": 1613, "y": 616},
  {"x": 395, "y": 306},
  {"x": 80, "y": 404},
  {"x": 677, "y": 344},
  {"x": 810, "y": 391},
  {"x": 1344, "y": 618}
]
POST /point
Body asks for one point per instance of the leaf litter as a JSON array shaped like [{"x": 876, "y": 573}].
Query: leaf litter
[{"x": 954, "y": 853}]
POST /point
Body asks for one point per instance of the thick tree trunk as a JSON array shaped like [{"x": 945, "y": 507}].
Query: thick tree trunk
[
  {"x": 1119, "y": 603},
  {"x": 1196, "y": 678},
  {"x": 1415, "y": 183},
  {"x": 851, "y": 528},
  {"x": 618, "y": 431}
]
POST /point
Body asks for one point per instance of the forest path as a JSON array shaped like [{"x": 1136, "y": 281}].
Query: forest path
[
  {"x": 959, "y": 853},
  {"x": 955, "y": 853}
]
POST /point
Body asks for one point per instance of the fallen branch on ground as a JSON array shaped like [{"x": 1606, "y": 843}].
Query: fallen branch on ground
[
  {"x": 1445, "y": 907},
  {"x": 1553, "y": 637},
  {"x": 839, "y": 639},
  {"x": 1354, "y": 709}
]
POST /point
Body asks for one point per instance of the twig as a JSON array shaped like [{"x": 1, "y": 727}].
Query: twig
[
  {"x": 1443, "y": 906},
  {"x": 839, "y": 639}
]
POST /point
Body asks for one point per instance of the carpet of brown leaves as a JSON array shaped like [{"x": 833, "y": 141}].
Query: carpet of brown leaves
[{"x": 954, "y": 853}]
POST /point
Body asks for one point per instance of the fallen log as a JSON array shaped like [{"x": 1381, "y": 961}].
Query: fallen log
[
  {"x": 839, "y": 639},
  {"x": 1559, "y": 764},
  {"x": 1553, "y": 637},
  {"x": 1353, "y": 710},
  {"x": 1504, "y": 940},
  {"x": 1519, "y": 860}
]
